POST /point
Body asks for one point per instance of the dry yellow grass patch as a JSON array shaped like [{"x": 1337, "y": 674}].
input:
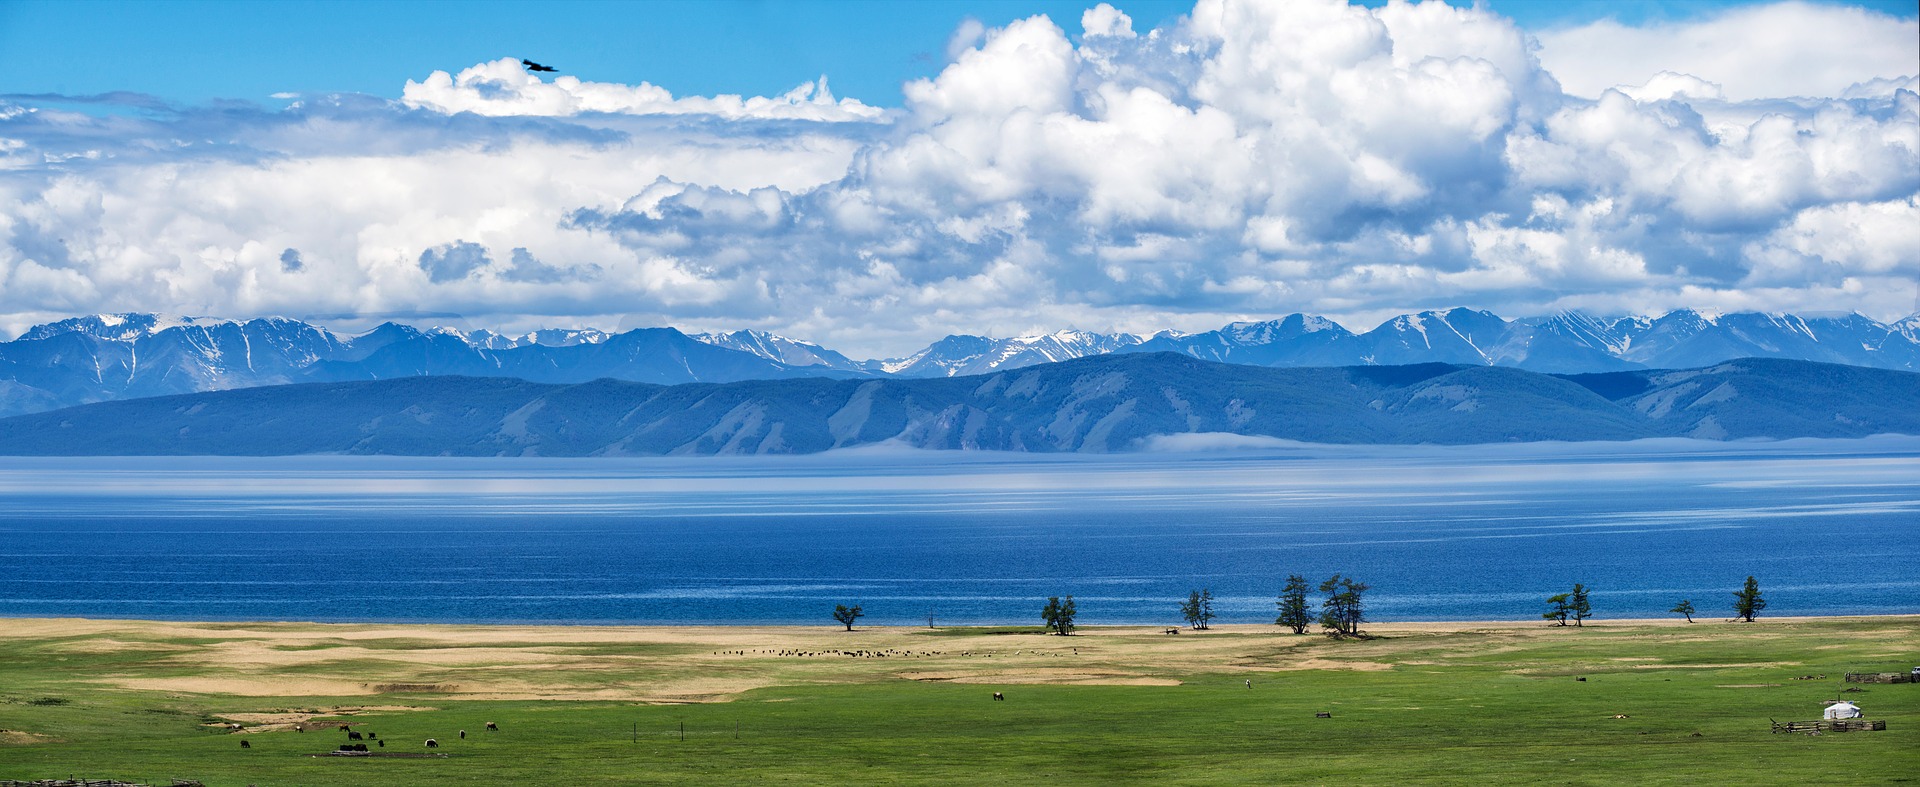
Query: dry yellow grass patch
[
  {"x": 110, "y": 645},
  {"x": 255, "y": 654},
  {"x": 716, "y": 663},
  {"x": 19, "y": 738},
  {"x": 305, "y": 719},
  {"x": 1048, "y": 676},
  {"x": 247, "y": 687},
  {"x": 1316, "y": 664}
]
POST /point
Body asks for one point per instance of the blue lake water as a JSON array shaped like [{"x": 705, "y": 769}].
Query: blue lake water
[{"x": 1828, "y": 527}]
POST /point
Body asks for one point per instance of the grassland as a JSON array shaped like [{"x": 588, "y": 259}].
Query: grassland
[{"x": 1661, "y": 703}]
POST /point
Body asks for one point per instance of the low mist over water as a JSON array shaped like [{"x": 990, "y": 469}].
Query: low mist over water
[{"x": 1828, "y": 527}]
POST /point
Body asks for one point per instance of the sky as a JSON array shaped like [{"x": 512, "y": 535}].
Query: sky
[{"x": 875, "y": 175}]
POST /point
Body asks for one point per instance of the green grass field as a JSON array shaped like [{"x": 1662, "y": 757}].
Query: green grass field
[{"x": 1421, "y": 704}]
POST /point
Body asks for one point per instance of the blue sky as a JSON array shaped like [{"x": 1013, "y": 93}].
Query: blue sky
[
  {"x": 196, "y": 51},
  {"x": 1159, "y": 165}
]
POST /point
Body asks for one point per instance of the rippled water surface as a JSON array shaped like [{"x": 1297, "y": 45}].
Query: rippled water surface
[{"x": 1439, "y": 533}]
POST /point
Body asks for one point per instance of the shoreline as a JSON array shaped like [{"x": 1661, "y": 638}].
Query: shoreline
[
  {"x": 1092, "y": 629},
  {"x": 1189, "y": 445}
]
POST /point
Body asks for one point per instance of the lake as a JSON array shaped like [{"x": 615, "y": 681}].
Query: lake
[{"x": 1828, "y": 527}]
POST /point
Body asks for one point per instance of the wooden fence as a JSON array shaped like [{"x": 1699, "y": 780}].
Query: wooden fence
[
  {"x": 1879, "y": 677},
  {"x": 93, "y": 783},
  {"x": 1829, "y": 725}
]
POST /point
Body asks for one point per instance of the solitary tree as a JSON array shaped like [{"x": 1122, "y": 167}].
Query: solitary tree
[
  {"x": 1198, "y": 608},
  {"x": 847, "y": 615},
  {"x": 1558, "y": 607},
  {"x": 1341, "y": 614},
  {"x": 1058, "y": 615},
  {"x": 1685, "y": 607},
  {"x": 1747, "y": 601},
  {"x": 1578, "y": 605},
  {"x": 1294, "y": 612}
]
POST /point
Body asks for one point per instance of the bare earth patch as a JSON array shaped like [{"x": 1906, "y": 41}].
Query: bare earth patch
[
  {"x": 19, "y": 738},
  {"x": 1361, "y": 666}
]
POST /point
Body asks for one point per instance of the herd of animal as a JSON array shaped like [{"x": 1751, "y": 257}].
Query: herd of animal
[{"x": 356, "y": 735}]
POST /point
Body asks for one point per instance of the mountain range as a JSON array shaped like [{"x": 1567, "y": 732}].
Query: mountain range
[
  {"x": 109, "y": 357},
  {"x": 1101, "y": 403}
]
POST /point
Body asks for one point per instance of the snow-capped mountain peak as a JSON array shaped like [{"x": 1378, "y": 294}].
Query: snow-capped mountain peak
[
  {"x": 125, "y": 327},
  {"x": 780, "y": 349}
]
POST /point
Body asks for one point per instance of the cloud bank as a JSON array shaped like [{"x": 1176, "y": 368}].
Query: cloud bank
[
  {"x": 1753, "y": 52},
  {"x": 1247, "y": 160},
  {"x": 502, "y": 87}
]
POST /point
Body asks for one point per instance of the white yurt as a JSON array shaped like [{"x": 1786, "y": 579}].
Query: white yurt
[{"x": 1843, "y": 710}]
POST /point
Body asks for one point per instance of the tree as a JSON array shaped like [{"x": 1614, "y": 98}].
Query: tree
[
  {"x": 1685, "y": 607},
  {"x": 1578, "y": 604},
  {"x": 1747, "y": 601},
  {"x": 1058, "y": 615},
  {"x": 1294, "y": 612},
  {"x": 1341, "y": 614},
  {"x": 847, "y": 615},
  {"x": 1558, "y": 608},
  {"x": 1198, "y": 608}
]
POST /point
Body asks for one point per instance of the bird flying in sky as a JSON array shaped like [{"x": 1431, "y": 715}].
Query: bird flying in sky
[{"x": 532, "y": 66}]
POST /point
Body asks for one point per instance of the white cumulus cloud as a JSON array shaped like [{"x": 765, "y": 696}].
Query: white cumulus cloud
[{"x": 1246, "y": 160}]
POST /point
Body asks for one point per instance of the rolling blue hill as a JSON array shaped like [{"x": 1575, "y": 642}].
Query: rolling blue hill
[{"x": 1095, "y": 404}]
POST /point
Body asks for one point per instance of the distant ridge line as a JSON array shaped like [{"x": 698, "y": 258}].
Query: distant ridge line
[
  {"x": 1108, "y": 403},
  {"x": 108, "y": 357}
]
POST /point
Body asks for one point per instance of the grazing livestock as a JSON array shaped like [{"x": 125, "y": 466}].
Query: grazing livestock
[
  {"x": 492, "y": 726},
  {"x": 433, "y": 744},
  {"x": 353, "y": 736},
  {"x": 1323, "y": 715},
  {"x": 371, "y": 736},
  {"x": 383, "y": 744},
  {"x": 246, "y": 745},
  {"x": 463, "y": 735},
  {"x": 998, "y": 697},
  {"x": 346, "y": 728}
]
